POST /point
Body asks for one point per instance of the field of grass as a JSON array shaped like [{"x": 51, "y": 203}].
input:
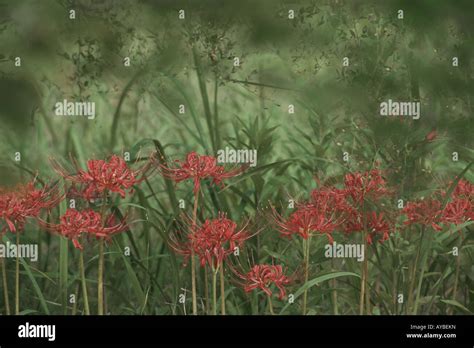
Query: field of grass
[{"x": 299, "y": 82}]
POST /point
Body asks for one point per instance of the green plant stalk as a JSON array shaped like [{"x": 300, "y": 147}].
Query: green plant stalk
[
  {"x": 193, "y": 261},
  {"x": 456, "y": 275},
  {"x": 418, "y": 290},
  {"x": 368, "y": 309},
  {"x": 100, "y": 280},
  {"x": 395, "y": 282},
  {"x": 334, "y": 292},
  {"x": 105, "y": 302},
  {"x": 63, "y": 264},
  {"x": 205, "y": 99},
  {"x": 363, "y": 278},
  {"x": 214, "y": 291},
  {"x": 63, "y": 272},
  {"x": 74, "y": 305},
  {"x": 100, "y": 273},
  {"x": 216, "y": 112},
  {"x": 83, "y": 282},
  {"x": 420, "y": 280},
  {"x": 306, "y": 245},
  {"x": 411, "y": 284},
  {"x": 394, "y": 293},
  {"x": 206, "y": 288},
  {"x": 17, "y": 276},
  {"x": 221, "y": 272},
  {"x": 5, "y": 287},
  {"x": 270, "y": 305},
  {"x": 413, "y": 273},
  {"x": 117, "y": 113}
]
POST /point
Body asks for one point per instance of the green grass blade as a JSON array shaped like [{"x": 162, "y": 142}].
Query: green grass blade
[
  {"x": 63, "y": 263},
  {"x": 133, "y": 279},
  {"x": 36, "y": 287},
  {"x": 319, "y": 280},
  {"x": 205, "y": 99},
  {"x": 456, "y": 304}
]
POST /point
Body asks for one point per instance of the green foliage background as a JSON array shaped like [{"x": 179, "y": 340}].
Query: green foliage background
[{"x": 282, "y": 62}]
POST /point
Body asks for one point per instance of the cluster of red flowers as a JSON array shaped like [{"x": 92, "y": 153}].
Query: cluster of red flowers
[
  {"x": 365, "y": 186},
  {"x": 331, "y": 209},
  {"x": 363, "y": 190},
  {"x": 263, "y": 276},
  {"x": 464, "y": 190},
  {"x": 306, "y": 221},
  {"x": 430, "y": 212},
  {"x": 75, "y": 223},
  {"x": 103, "y": 176},
  {"x": 213, "y": 241},
  {"x": 24, "y": 201},
  {"x": 216, "y": 239},
  {"x": 99, "y": 180},
  {"x": 198, "y": 167},
  {"x": 461, "y": 207},
  {"x": 350, "y": 209},
  {"x": 424, "y": 212}
]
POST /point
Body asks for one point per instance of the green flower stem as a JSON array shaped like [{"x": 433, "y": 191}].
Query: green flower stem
[
  {"x": 413, "y": 272},
  {"x": 100, "y": 280},
  {"x": 422, "y": 273},
  {"x": 84, "y": 284},
  {"x": 193, "y": 261},
  {"x": 5, "y": 286},
  {"x": 222, "y": 289},
  {"x": 206, "y": 289},
  {"x": 306, "y": 244},
  {"x": 214, "y": 291},
  {"x": 17, "y": 275},
  {"x": 270, "y": 305},
  {"x": 363, "y": 278}
]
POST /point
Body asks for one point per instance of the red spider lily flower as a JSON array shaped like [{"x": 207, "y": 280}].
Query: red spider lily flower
[
  {"x": 212, "y": 242},
  {"x": 360, "y": 186},
  {"x": 24, "y": 201},
  {"x": 329, "y": 199},
  {"x": 73, "y": 224},
  {"x": 354, "y": 221},
  {"x": 216, "y": 239},
  {"x": 102, "y": 177},
  {"x": 464, "y": 189},
  {"x": 458, "y": 211},
  {"x": 263, "y": 276},
  {"x": 12, "y": 212},
  {"x": 309, "y": 219},
  {"x": 426, "y": 212},
  {"x": 198, "y": 167},
  {"x": 376, "y": 224}
]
